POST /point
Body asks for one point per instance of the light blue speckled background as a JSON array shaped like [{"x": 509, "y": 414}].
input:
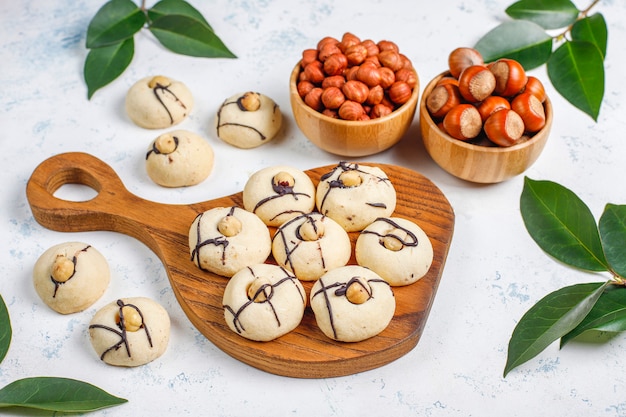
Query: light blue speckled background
[{"x": 494, "y": 271}]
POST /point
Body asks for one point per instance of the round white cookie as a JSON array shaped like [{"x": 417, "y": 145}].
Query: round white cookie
[
  {"x": 158, "y": 102},
  {"x": 69, "y": 277},
  {"x": 263, "y": 302},
  {"x": 179, "y": 159},
  {"x": 130, "y": 331},
  {"x": 352, "y": 303},
  {"x": 310, "y": 245},
  {"x": 395, "y": 248},
  {"x": 355, "y": 195},
  {"x": 279, "y": 193},
  {"x": 224, "y": 240},
  {"x": 248, "y": 120}
]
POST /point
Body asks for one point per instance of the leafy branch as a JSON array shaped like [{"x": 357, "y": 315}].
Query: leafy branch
[
  {"x": 564, "y": 227},
  {"x": 176, "y": 24},
  {"x": 49, "y": 393},
  {"x": 574, "y": 55}
]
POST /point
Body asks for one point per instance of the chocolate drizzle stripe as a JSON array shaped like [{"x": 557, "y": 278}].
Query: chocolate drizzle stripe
[
  {"x": 164, "y": 90},
  {"x": 412, "y": 240},
  {"x": 57, "y": 284}
]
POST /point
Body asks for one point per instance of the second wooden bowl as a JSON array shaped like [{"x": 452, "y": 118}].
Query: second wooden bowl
[
  {"x": 476, "y": 163},
  {"x": 351, "y": 138}
]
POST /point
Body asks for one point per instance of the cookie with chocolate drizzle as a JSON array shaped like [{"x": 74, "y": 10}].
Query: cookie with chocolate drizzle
[
  {"x": 395, "y": 248},
  {"x": 263, "y": 302},
  {"x": 310, "y": 245},
  {"x": 355, "y": 195},
  {"x": 247, "y": 120},
  {"x": 224, "y": 240},
  {"x": 69, "y": 277},
  {"x": 130, "y": 331},
  {"x": 352, "y": 303},
  {"x": 279, "y": 193},
  {"x": 158, "y": 102}
]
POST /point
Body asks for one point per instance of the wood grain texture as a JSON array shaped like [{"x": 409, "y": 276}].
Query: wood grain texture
[
  {"x": 304, "y": 353},
  {"x": 351, "y": 138},
  {"x": 475, "y": 163}
]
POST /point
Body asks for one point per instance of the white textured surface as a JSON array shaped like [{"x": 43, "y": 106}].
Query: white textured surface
[{"x": 494, "y": 273}]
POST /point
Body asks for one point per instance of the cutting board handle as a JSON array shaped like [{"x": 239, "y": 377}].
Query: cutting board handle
[{"x": 108, "y": 210}]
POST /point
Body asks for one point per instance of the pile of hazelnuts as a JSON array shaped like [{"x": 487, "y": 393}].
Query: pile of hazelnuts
[
  {"x": 497, "y": 100},
  {"x": 351, "y": 79}
]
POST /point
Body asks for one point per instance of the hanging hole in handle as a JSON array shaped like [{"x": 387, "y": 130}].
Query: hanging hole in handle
[
  {"x": 75, "y": 192},
  {"x": 73, "y": 184}
]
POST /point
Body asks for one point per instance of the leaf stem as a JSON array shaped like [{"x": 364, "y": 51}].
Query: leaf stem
[{"x": 583, "y": 13}]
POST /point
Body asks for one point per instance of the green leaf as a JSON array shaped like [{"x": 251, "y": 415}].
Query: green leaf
[
  {"x": 176, "y": 7},
  {"x": 56, "y": 394},
  {"x": 608, "y": 314},
  {"x": 549, "y": 14},
  {"x": 523, "y": 41},
  {"x": 612, "y": 227},
  {"x": 105, "y": 64},
  {"x": 5, "y": 329},
  {"x": 187, "y": 36},
  {"x": 562, "y": 225},
  {"x": 116, "y": 21},
  {"x": 552, "y": 317},
  {"x": 576, "y": 70},
  {"x": 592, "y": 29}
]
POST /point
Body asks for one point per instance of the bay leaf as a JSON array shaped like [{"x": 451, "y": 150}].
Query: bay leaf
[
  {"x": 523, "y": 41},
  {"x": 56, "y": 394},
  {"x": 562, "y": 225},
  {"x": 176, "y": 7},
  {"x": 114, "y": 22},
  {"x": 592, "y": 29},
  {"x": 549, "y": 14},
  {"x": 612, "y": 228},
  {"x": 6, "y": 331},
  {"x": 187, "y": 36},
  {"x": 608, "y": 314},
  {"x": 576, "y": 70},
  {"x": 105, "y": 64},
  {"x": 549, "y": 319}
]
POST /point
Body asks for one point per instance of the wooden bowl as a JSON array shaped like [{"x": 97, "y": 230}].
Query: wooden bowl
[
  {"x": 476, "y": 163},
  {"x": 351, "y": 138}
]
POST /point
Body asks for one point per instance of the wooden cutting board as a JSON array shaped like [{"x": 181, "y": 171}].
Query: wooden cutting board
[{"x": 305, "y": 352}]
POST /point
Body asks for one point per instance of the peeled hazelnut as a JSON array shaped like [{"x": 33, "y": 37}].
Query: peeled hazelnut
[
  {"x": 356, "y": 54},
  {"x": 393, "y": 240},
  {"x": 462, "y": 58},
  {"x": 327, "y": 50},
  {"x": 335, "y": 64},
  {"x": 333, "y": 97},
  {"x": 308, "y": 56},
  {"x": 387, "y": 46},
  {"x": 390, "y": 59},
  {"x": 387, "y": 77},
  {"x": 369, "y": 74},
  {"x": 314, "y": 72},
  {"x": 132, "y": 319},
  {"x": 166, "y": 144},
  {"x": 283, "y": 179},
  {"x": 349, "y": 39},
  {"x": 351, "y": 110},
  {"x": 311, "y": 230},
  {"x": 358, "y": 290},
  {"x": 355, "y": 90},
  {"x": 229, "y": 226},
  {"x": 375, "y": 96},
  {"x": 62, "y": 268},
  {"x": 407, "y": 75},
  {"x": 250, "y": 101},
  {"x": 326, "y": 40},
  {"x": 380, "y": 110},
  {"x": 400, "y": 92},
  {"x": 159, "y": 81},
  {"x": 334, "y": 81},
  {"x": 304, "y": 87},
  {"x": 476, "y": 83},
  {"x": 372, "y": 48},
  {"x": 350, "y": 178},
  {"x": 314, "y": 99},
  {"x": 260, "y": 289}
]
